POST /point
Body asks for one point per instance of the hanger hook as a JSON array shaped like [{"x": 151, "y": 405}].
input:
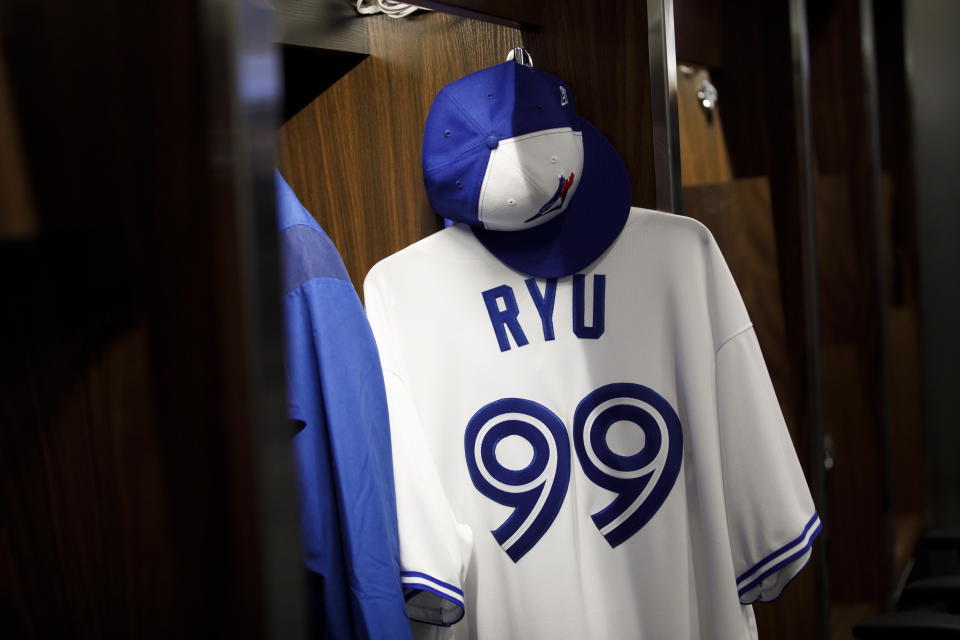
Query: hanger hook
[{"x": 520, "y": 56}]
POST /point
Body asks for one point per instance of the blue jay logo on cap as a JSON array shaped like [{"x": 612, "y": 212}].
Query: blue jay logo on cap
[{"x": 556, "y": 201}]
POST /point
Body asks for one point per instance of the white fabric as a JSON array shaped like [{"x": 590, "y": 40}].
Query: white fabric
[
  {"x": 674, "y": 322},
  {"x": 523, "y": 175},
  {"x": 388, "y": 7}
]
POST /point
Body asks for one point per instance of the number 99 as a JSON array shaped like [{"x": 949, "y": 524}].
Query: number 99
[{"x": 642, "y": 481}]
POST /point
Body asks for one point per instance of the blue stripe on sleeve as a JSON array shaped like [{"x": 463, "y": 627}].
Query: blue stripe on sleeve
[
  {"x": 430, "y": 578},
  {"x": 810, "y": 523},
  {"x": 783, "y": 563},
  {"x": 759, "y": 597},
  {"x": 422, "y": 582}
]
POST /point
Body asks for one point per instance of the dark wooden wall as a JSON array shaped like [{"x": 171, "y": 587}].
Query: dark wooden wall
[
  {"x": 353, "y": 154},
  {"x": 851, "y": 312},
  {"x": 128, "y": 495}
]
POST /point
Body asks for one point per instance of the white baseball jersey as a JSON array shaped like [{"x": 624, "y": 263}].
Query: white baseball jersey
[{"x": 597, "y": 456}]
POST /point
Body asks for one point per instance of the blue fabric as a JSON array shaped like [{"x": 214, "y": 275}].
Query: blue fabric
[
  {"x": 470, "y": 116},
  {"x": 343, "y": 457},
  {"x": 308, "y": 254}
]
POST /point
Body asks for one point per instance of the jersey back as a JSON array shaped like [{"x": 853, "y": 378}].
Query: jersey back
[{"x": 596, "y": 456}]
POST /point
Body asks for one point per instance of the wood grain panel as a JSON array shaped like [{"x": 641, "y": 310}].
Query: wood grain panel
[
  {"x": 322, "y": 24},
  {"x": 85, "y": 517},
  {"x": 128, "y": 502},
  {"x": 353, "y": 155}
]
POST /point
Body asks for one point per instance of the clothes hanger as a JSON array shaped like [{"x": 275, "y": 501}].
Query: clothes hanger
[{"x": 520, "y": 56}]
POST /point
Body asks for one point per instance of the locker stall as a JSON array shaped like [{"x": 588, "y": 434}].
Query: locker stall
[
  {"x": 744, "y": 136},
  {"x": 148, "y": 488}
]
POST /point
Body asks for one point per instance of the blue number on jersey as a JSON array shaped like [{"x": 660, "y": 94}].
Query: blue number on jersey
[
  {"x": 642, "y": 481},
  {"x": 536, "y": 491}
]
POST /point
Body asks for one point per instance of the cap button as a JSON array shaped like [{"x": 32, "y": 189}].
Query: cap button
[{"x": 492, "y": 142}]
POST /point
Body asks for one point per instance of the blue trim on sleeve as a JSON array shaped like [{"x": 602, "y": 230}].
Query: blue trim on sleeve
[
  {"x": 413, "y": 580},
  {"x": 759, "y": 599},
  {"x": 770, "y": 556},
  {"x": 783, "y": 563},
  {"x": 446, "y": 585}
]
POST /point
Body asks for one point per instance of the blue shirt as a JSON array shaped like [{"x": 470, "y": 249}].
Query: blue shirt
[{"x": 345, "y": 474}]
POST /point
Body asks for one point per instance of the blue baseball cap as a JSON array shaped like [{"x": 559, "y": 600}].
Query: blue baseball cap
[{"x": 505, "y": 152}]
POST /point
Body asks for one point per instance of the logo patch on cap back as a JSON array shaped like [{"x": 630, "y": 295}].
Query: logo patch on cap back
[
  {"x": 530, "y": 179},
  {"x": 556, "y": 202}
]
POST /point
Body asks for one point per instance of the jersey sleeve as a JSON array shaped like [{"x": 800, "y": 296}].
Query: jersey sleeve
[
  {"x": 771, "y": 517},
  {"x": 434, "y": 547},
  {"x": 770, "y": 513}
]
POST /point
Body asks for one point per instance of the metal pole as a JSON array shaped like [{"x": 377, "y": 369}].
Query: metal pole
[
  {"x": 663, "y": 103},
  {"x": 803, "y": 129}
]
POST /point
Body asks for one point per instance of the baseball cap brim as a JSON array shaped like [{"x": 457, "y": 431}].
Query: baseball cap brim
[{"x": 582, "y": 233}]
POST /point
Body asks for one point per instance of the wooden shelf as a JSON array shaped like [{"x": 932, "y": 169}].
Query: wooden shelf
[
  {"x": 322, "y": 24},
  {"x": 509, "y": 13},
  {"x": 308, "y": 72}
]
